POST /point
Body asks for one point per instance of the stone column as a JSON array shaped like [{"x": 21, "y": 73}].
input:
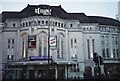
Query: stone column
[
  {"x": 56, "y": 72},
  {"x": 66, "y": 72}
]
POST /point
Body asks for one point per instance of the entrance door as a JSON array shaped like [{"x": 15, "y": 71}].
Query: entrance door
[
  {"x": 61, "y": 73},
  {"x": 31, "y": 74},
  {"x": 42, "y": 74},
  {"x": 88, "y": 72}
]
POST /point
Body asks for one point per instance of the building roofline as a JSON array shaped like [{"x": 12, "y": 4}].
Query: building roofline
[{"x": 58, "y": 11}]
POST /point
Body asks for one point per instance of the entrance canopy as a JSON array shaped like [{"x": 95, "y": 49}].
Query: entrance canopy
[
  {"x": 30, "y": 63},
  {"x": 11, "y": 69},
  {"x": 45, "y": 62},
  {"x": 65, "y": 62}
]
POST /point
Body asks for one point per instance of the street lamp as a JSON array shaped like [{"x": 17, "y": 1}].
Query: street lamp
[
  {"x": 48, "y": 36},
  {"x": 48, "y": 41}
]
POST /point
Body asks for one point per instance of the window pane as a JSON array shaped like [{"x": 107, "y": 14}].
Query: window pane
[
  {"x": 103, "y": 51},
  {"x": 45, "y": 51},
  {"x": 88, "y": 48},
  {"x": 12, "y": 41},
  {"x": 71, "y": 43},
  {"x": 75, "y": 43},
  {"x": 62, "y": 49},
  {"x": 8, "y": 40},
  {"x": 114, "y": 53},
  {"x": 107, "y": 52},
  {"x": 8, "y": 46}
]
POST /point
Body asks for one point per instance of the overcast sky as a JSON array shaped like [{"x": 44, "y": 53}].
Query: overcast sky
[{"x": 106, "y": 8}]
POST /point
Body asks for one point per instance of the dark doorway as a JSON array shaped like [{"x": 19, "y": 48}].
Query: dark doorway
[
  {"x": 42, "y": 74},
  {"x": 88, "y": 72},
  {"x": 31, "y": 74},
  {"x": 52, "y": 73},
  {"x": 23, "y": 72},
  {"x": 61, "y": 73}
]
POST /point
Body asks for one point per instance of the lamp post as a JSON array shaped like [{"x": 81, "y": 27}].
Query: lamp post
[
  {"x": 47, "y": 12},
  {"x": 48, "y": 42},
  {"x": 48, "y": 36}
]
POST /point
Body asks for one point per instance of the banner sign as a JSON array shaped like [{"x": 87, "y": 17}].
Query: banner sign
[
  {"x": 43, "y": 11},
  {"x": 40, "y": 57},
  {"x": 32, "y": 41},
  {"x": 53, "y": 41}
]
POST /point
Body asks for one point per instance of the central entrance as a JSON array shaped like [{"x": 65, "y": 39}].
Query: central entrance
[
  {"x": 31, "y": 74},
  {"x": 61, "y": 72}
]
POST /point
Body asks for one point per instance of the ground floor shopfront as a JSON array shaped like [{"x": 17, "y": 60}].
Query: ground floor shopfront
[
  {"x": 37, "y": 69},
  {"x": 112, "y": 70}
]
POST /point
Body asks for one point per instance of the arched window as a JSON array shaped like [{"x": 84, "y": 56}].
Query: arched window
[
  {"x": 24, "y": 46},
  {"x": 13, "y": 24},
  {"x": 60, "y": 48},
  {"x": 43, "y": 44}
]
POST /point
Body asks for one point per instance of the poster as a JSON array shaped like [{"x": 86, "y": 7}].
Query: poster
[{"x": 32, "y": 41}]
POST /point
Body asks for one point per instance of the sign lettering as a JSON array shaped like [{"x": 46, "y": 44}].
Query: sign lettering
[
  {"x": 43, "y": 11},
  {"x": 40, "y": 57}
]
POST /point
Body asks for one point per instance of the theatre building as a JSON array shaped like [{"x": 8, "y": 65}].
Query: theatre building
[{"x": 43, "y": 40}]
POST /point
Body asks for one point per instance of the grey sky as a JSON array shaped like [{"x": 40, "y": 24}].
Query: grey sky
[{"x": 106, "y": 8}]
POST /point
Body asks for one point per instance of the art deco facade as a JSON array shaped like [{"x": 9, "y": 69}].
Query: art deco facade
[{"x": 74, "y": 37}]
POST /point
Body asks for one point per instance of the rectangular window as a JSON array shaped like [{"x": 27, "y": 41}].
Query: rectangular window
[
  {"x": 23, "y": 24},
  {"x": 12, "y": 41},
  {"x": 58, "y": 24},
  {"x": 107, "y": 41},
  {"x": 116, "y": 40},
  {"x": 71, "y": 25},
  {"x": 8, "y": 43},
  {"x": 88, "y": 48},
  {"x": 12, "y": 57},
  {"x": 26, "y": 24},
  {"x": 103, "y": 52},
  {"x": 75, "y": 43},
  {"x": 8, "y": 46},
  {"x": 113, "y": 40},
  {"x": 102, "y": 41},
  {"x": 40, "y": 49},
  {"x": 62, "y": 49},
  {"x": 58, "y": 49},
  {"x": 46, "y": 22},
  {"x": 117, "y": 52},
  {"x": 13, "y": 24},
  {"x": 8, "y": 57},
  {"x": 71, "y": 43},
  {"x": 114, "y": 53},
  {"x": 12, "y": 45},
  {"x": 8, "y": 40},
  {"x": 29, "y": 23},
  {"x": 23, "y": 49},
  {"x": 38, "y": 22},
  {"x": 55, "y": 23},
  {"x": 93, "y": 45},
  {"x": 62, "y": 25},
  {"x": 42, "y": 22},
  {"x": 107, "y": 52}
]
